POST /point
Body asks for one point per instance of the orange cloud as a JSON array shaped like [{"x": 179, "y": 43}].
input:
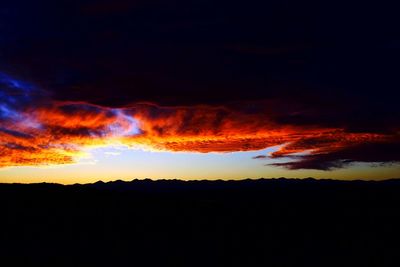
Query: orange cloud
[{"x": 56, "y": 133}]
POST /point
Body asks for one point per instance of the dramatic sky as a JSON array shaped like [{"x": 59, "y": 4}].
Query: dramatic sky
[{"x": 97, "y": 89}]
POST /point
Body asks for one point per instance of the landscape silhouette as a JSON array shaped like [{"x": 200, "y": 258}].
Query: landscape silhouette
[{"x": 265, "y": 222}]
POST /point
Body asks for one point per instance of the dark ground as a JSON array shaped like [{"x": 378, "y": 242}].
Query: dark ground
[{"x": 172, "y": 223}]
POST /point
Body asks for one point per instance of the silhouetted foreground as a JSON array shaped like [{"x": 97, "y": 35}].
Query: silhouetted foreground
[{"x": 172, "y": 223}]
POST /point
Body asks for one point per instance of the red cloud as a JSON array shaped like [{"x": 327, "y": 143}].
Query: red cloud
[{"x": 62, "y": 129}]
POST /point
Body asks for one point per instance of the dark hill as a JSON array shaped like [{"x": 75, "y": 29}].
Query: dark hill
[{"x": 280, "y": 222}]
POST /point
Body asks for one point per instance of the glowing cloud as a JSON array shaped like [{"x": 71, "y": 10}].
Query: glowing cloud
[{"x": 34, "y": 130}]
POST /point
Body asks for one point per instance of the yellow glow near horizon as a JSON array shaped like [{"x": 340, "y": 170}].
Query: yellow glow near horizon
[{"x": 114, "y": 163}]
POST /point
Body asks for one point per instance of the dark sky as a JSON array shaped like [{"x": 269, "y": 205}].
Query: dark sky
[
  {"x": 321, "y": 55},
  {"x": 183, "y": 52},
  {"x": 332, "y": 64}
]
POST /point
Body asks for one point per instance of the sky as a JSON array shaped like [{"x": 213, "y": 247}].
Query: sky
[{"x": 104, "y": 90}]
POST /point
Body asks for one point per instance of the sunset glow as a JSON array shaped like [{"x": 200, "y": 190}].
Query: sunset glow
[
  {"x": 83, "y": 77},
  {"x": 43, "y": 132}
]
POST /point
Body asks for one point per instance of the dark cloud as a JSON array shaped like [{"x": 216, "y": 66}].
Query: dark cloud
[
  {"x": 15, "y": 133},
  {"x": 373, "y": 152},
  {"x": 260, "y": 157}
]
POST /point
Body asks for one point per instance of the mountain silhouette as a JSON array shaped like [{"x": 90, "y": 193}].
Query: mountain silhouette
[{"x": 264, "y": 222}]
